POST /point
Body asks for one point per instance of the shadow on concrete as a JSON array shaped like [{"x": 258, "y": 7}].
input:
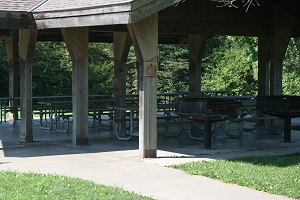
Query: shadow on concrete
[{"x": 51, "y": 143}]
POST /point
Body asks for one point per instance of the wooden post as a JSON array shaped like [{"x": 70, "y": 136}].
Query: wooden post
[
  {"x": 121, "y": 50},
  {"x": 27, "y": 41},
  {"x": 263, "y": 65},
  {"x": 263, "y": 69},
  {"x": 144, "y": 35},
  {"x": 196, "y": 49},
  {"x": 77, "y": 42},
  {"x": 12, "y": 50},
  {"x": 284, "y": 25}
]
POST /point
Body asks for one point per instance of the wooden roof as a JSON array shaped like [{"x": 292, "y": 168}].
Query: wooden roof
[
  {"x": 175, "y": 21},
  {"x": 45, "y": 14}
]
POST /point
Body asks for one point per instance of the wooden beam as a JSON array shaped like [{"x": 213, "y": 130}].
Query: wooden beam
[
  {"x": 144, "y": 8},
  {"x": 77, "y": 43},
  {"x": 284, "y": 25},
  {"x": 16, "y": 20},
  {"x": 209, "y": 26},
  {"x": 86, "y": 20},
  {"x": 27, "y": 41},
  {"x": 144, "y": 35},
  {"x": 12, "y": 49},
  {"x": 121, "y": 50},
  {"x": 196, "y": 49}
]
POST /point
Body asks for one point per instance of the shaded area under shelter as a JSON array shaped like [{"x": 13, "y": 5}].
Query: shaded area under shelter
[{"x": 143, "y": 24}]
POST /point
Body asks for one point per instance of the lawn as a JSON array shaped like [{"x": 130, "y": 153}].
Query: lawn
[
  {"x": 15, "y": 185},
  {"x": 273, "y": 174}
]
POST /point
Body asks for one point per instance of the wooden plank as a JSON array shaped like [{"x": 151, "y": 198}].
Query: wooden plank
[
  {"x": 83, "y": 12},
  {"x": 121, "y": 50},
  {"x": 147, "y": 5},
  {"x": 16, "y": 20},
  {"x": 138, "y": 4},
  {"x": 12, "y": 15},
  {"x": 143, "y": 8},
  {"x": 196, "y": 49},
  {"x": 83, "y": 21},
  {"x": 65, "y": 5},
  {"x": 144, "y": 35},
  {"x": 77, "y": 43},
  {"x": 210, "y": 26},
  {"x": 27, "y": 40}
]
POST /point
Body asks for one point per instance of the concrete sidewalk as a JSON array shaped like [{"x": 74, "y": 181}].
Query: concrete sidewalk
[
  {"x": 115, "y": 163},
  {"x": 122, "y": 168}
]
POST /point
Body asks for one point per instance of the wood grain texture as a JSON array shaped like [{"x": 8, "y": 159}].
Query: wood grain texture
[
  {"x": 27, "y": 41},
  {"x": 77, "y": 43},
  {"x": 121, "y": 50},
  {"x": 144, "y": 35},
  {"x": 196, "y": 49}
]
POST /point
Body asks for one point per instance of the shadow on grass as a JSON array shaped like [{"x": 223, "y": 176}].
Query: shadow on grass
[{"x": 278, "y": 161}]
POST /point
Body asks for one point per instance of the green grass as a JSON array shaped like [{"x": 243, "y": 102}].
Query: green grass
[
  {"x": 15, "y": 185},
  {"x": 273, "y": 174}
]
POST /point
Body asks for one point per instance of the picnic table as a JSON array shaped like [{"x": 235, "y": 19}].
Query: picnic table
[
  {"x": 55, "y": 110},
  {"x": 8, "y": 105},
  {"x": 164, "y": 114}
]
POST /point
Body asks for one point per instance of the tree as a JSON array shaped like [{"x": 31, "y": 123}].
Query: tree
[
  {"x": 101, "y": 68},
  {"x": 173, "y": 69},
  {"x": 291, "y": 68},
  {"x": 230, "y": 64},
  {"x": 52, "y": 70}
]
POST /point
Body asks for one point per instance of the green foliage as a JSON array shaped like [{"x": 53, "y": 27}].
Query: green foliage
[
  {"x": 273, "y": 174},
  {"x": 101, "y": 68},
  {"x": 230, "y": 63},
  {"x": 173, "y": 68},
  {"x": 15, "y": 185},
  {"x": 291, "y": 68},
  {"x": 132, "y": 73},
  {"x": 52, "y": 70}
]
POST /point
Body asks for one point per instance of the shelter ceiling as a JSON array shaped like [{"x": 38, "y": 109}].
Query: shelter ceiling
[{"x": 176, "y": 22}]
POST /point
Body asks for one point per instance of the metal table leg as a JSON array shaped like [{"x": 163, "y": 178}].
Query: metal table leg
[
  {"x": 207, "y": 135},
  {"x": 287, "y": 129}
]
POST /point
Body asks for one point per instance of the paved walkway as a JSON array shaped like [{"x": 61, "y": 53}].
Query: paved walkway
[{"x": 112, "y": 162}]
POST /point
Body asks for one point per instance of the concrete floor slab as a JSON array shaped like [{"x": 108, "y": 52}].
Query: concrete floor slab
[{"x": 110, "y": 161}]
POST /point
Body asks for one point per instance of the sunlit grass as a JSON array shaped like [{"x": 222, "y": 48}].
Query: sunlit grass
[
  {"x": 15, "y": 185},
  {"x": 272, "y": 174}
]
